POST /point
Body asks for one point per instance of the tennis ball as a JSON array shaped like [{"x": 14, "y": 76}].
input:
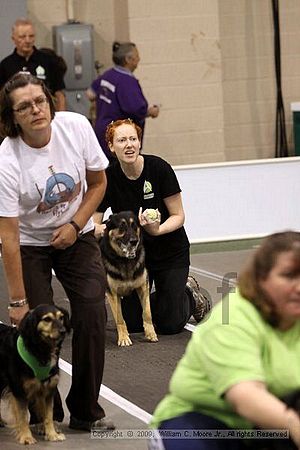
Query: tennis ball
[{"x": 151, "y": 214}]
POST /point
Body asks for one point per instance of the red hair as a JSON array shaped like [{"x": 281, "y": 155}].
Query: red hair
[{"x": 111, "y": 128}]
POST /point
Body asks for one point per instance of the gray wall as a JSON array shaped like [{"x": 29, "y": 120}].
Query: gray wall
[{"x": 10, "y": 10}]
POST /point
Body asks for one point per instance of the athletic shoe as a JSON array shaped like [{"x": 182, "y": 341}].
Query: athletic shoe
[
  {"x": 202, "y": 303},
  {"x": 99, "y": 424}
]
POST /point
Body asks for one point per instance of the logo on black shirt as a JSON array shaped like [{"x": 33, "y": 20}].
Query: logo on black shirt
[
  {"x": 148, "y": 190},
  {"x": 40, "y": 73}
]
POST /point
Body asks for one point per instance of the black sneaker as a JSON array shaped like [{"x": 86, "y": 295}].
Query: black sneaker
[
  {"x": 202, "y": 303},
  {"x": 99, "y": 424}
]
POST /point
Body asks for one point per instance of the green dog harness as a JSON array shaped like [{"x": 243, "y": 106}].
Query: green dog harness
[{"x": 40, "y": 372}]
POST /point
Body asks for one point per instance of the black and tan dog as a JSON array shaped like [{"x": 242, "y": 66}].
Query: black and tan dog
[
  {"x": 29, "y": 370},
  {"x": 124, "y": 260}
]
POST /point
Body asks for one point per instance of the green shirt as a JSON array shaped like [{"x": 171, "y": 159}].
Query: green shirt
[{"x": 220, "y": 355}]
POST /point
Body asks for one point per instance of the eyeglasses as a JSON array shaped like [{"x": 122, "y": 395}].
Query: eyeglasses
[{"x": 26, "y": 108}]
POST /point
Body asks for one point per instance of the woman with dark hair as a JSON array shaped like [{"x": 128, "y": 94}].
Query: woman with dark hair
[
  {"x": 9, "y": 124},
  {"x": 51, "y": 181},
  {"x": 235, "y": 372},
  {"x": 118, "y": 93}
]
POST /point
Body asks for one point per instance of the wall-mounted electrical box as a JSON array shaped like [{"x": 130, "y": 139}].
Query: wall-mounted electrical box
[{"x": 74, "y": 42}]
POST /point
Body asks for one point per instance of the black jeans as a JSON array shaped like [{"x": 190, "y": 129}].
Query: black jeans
[
  {"x": 80, "y": 271},
  {"x": 171, "y": 304}
]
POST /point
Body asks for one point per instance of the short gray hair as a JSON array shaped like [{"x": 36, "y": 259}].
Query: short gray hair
[
  {"x": 19, "y": 22},
  {"x": 120, "y": 51}
]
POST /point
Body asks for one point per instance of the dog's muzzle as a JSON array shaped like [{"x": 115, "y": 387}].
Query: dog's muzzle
[{"x": 129, "y": 250}]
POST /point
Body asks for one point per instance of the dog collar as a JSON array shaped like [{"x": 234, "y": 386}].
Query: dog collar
[{"x": 40, "y": 372}]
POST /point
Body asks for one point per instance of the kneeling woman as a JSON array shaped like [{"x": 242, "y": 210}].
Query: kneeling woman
[
  {"x": 137, "y": 181},
  {"x": 234, "y": 374}
]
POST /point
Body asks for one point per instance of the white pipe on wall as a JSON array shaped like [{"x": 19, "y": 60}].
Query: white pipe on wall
[{"x": 70, "y": 10}]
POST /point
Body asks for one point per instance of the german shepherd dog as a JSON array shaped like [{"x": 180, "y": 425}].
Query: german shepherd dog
[
  {"x": 124, "y": 260},
  {"x": 29, "y": 370}
]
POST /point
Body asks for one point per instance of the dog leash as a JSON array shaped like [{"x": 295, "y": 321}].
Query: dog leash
[{"x": 40, "y": 372}]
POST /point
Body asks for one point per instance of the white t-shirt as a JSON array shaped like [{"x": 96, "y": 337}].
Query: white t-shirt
[{"x": 45, "y": 186}]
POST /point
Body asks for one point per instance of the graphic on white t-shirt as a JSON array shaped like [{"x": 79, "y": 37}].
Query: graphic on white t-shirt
[{"x": 60, "y": 191}]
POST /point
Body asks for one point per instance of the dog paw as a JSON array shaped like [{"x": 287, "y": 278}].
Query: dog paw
[
  {"x": 124, "y": 341},
  {"x": 26, "y": 439},
  {"x": 152, "y": 337},
  {"x": 55, "y": 437},
  {"x": 150, "y": 333}
]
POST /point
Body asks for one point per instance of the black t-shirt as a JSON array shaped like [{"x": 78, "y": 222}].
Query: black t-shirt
[
  {"x": 156, "y": 182},
  {"x": 39, "y": 64}
]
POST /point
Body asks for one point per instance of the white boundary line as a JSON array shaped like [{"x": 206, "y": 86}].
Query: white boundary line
[
  {"x": 113, "y": 397},
  {"x": 211, "y": 275},
  {"x": 190, "y": 327}
]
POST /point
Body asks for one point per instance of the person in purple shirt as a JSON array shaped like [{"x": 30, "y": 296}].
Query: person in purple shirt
[{"x": 118, "y": 93}]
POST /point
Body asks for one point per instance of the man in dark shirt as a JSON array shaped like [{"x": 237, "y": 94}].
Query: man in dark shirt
[{"x": 26, "y": 57}]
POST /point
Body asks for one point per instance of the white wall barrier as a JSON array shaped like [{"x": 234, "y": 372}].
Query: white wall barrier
[{"x": 241, "y": 199}]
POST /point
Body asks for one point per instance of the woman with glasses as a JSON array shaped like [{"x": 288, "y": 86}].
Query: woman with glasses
[{"x": 51, "y": 180}]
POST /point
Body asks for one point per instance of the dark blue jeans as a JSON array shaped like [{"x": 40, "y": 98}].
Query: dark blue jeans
[{"x": 196, "y": 421}]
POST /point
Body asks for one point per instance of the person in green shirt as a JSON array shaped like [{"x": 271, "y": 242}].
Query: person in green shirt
[{"x": 234, "y": 373}]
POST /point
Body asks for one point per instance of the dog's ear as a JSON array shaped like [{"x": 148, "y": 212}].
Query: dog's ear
[
  {"x": 28, "y": 326},
  {"x": 67, "y": 322},
  {"x": 108, "y": 221}
]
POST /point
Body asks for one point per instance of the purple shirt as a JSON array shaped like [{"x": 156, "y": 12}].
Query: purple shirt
[{"x": 118, "y": 96}]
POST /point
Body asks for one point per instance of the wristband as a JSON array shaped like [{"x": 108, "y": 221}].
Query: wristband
[
  {"x": 18, "y": 303},
  {"x": 76, "y": 226}
]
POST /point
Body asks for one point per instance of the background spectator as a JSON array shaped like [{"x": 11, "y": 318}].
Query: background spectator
[
  {"x": 61, "y": 65},
  {"x": 27, "y": 58},
  {"x": 118, "y": 93}
]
